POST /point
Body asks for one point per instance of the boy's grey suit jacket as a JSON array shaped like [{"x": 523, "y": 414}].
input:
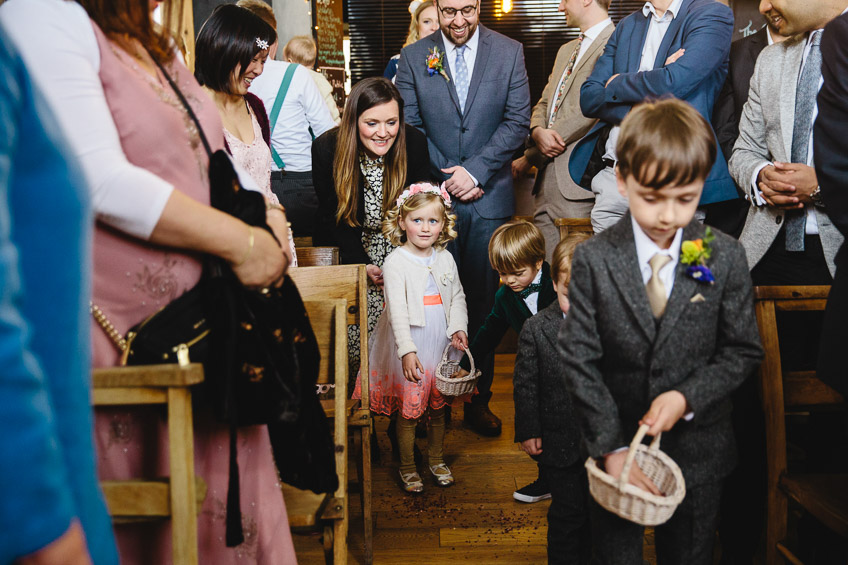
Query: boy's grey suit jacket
[
  {"x": 542, "y": 404},
  {"x": 617, "y": 358},
  {"x": 765, "y": 134}
]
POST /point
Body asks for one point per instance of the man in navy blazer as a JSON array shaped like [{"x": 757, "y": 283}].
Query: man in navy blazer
[
  {"x": 472, "y": 100},
  {"x": 678, "y": 48},
  {"x": 832, "y": 171}
]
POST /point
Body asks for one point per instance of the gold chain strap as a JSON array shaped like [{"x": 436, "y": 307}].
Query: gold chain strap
[{"x": 107, "y": 326}]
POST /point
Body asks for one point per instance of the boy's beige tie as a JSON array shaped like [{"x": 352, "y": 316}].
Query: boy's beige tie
[{"x": 655, "y": 287}]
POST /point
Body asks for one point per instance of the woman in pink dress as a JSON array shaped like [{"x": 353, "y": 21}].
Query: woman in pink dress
[
  {"x": 134, "y": 278},
  {"x": 232, "y": 48}
]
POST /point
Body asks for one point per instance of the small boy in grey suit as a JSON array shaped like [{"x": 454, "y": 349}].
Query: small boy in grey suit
[
  {"x": 545, "y": 423},
  {"x": 661, "y": 330}
]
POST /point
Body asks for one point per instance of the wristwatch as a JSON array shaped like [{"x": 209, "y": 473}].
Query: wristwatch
[{"x": 816, "y": 197}]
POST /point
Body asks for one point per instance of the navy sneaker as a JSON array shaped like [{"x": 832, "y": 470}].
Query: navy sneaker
[{"x": 534, "y": 492}]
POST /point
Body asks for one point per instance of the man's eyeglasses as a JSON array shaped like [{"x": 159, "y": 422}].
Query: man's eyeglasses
[{"x": 450, "y": 13}]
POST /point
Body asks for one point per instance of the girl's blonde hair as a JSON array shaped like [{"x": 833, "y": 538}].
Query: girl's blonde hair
[
  {"x": 413, "y": 36},
  {"x": 391, "y": 225}
]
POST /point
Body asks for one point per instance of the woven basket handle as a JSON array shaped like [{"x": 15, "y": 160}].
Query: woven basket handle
[
  {"x": 470, "y": 358},
  {"x": 631, "y": 453},
  {"x": 467, "y": 351}
]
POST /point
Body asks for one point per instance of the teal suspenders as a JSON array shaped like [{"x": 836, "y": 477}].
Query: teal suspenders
[{"x": 275, "y": 111}]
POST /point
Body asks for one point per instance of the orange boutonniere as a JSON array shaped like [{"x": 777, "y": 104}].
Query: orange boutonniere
[{"x": 436, "y": 63}]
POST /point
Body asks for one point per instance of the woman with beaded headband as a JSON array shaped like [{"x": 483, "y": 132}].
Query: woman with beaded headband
[
  {"x": 425, "y": 310},
  {"x": 358, "y": 170},
  {"x": 232, "y": 48}
]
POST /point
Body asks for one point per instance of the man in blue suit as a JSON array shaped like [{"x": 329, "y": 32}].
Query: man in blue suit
[
  {"x": 465, "y": 86},
  {"x": 678, "y": 48}
]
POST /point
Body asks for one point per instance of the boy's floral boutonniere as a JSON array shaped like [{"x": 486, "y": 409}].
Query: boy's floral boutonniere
[
  {"x": 436, "y": 63},
  {"x": 695, "y": 254}
]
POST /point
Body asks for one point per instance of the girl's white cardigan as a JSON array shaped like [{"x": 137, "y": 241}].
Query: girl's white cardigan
[{"x": 404, "y": 281}]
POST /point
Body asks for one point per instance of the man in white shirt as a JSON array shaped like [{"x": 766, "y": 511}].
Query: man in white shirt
[
  {"x": 678, "y": 48},
  {"x": 557, "y": 122},
  {"x": 295, "y": 122}
]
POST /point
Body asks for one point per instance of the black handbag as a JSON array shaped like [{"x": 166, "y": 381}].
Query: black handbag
[{"x": 263, "y": 356}]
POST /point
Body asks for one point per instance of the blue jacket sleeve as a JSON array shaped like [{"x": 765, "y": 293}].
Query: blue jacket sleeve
[
  {"x": 593, "y": 101},
  {"x": 707, "y": 44},
  {"x": 36, "y": 505}
]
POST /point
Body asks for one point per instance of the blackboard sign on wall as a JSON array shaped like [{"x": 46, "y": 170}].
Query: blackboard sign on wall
[
  {"x": 329, "y": 31},
  {"x": 748, "y": 19}
]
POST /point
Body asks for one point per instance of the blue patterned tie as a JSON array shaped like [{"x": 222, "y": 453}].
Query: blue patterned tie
[
  {"x": 461, "y": 77},
  {"x": 805, "y": 101}
]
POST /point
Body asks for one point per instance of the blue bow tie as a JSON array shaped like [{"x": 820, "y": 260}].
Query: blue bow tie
[{"x": 535, "y": 287}]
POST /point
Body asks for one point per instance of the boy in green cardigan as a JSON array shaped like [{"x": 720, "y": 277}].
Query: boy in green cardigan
[{"x": 517, "y": 253}]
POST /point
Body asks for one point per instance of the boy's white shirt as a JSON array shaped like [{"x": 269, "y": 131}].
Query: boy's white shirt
[
  {"x": 646, "y": 248},
  {"x": 532, "y": 301},
  {"x": 404, "y": 282}
]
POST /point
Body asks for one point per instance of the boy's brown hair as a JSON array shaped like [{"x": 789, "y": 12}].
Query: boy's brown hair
[
  {"x": 564, "y": 253},
  {"x": 665, "y": 143},
  {"x": 514, "y": 245},
  {"x": 261, "y": 9},
  {"x": 301, "y": 49}
]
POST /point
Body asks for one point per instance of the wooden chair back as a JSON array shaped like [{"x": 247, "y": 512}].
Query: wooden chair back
[
  {"x": 317, "y": 256},
  {"x": 307, "y": 509},
  {"x": 305, "y": 241},
  {"x": 824, "y": 496},
  {"x": 571, "y": 225},
  {"x": 347, "y": 282},
  {"x": 181, "y": 494}
]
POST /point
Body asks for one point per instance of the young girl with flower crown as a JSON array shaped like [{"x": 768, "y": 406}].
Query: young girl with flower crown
[{"x": 425, "y": 310}]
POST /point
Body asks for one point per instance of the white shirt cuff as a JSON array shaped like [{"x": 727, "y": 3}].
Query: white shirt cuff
[
  {"x": 472, "y": 177},
  {"x": 756, "y": 193}
]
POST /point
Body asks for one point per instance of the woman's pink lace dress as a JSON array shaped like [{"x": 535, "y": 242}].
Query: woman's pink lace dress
[
  {"x": 133, "y": 279},
  {"x": 255, "y": 157}
]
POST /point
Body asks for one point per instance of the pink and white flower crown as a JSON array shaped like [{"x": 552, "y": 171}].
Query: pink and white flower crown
[{"x": 423, "y": 187}]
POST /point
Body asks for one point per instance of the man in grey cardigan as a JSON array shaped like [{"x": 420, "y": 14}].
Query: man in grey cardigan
[{"x": 788, "y": 237}]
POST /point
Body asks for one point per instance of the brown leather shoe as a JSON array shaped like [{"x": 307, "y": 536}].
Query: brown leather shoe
[{"x": 481, "y": 420}]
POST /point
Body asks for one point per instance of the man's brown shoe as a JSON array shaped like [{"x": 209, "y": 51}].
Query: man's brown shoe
[{"x": 481, "y": 420}]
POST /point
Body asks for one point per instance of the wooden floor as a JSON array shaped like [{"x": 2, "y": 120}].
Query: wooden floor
[{"x": 475, "y": 521}]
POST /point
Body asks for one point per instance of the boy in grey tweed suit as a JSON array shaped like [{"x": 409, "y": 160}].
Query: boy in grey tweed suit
[
  {"x": 545, "y": 424},
  {"x": 649, "y": 340}
]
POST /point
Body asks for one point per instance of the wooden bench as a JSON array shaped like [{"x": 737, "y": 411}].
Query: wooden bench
[
  {"x": 571, "y": 225},
  {"x": 307, "y": 509},
  {"x": 181, "y": 494},
  {"x": 823, "y": 496},
  {"x": 317, "y": 256},
  {"x": 348, "y": 282}
]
